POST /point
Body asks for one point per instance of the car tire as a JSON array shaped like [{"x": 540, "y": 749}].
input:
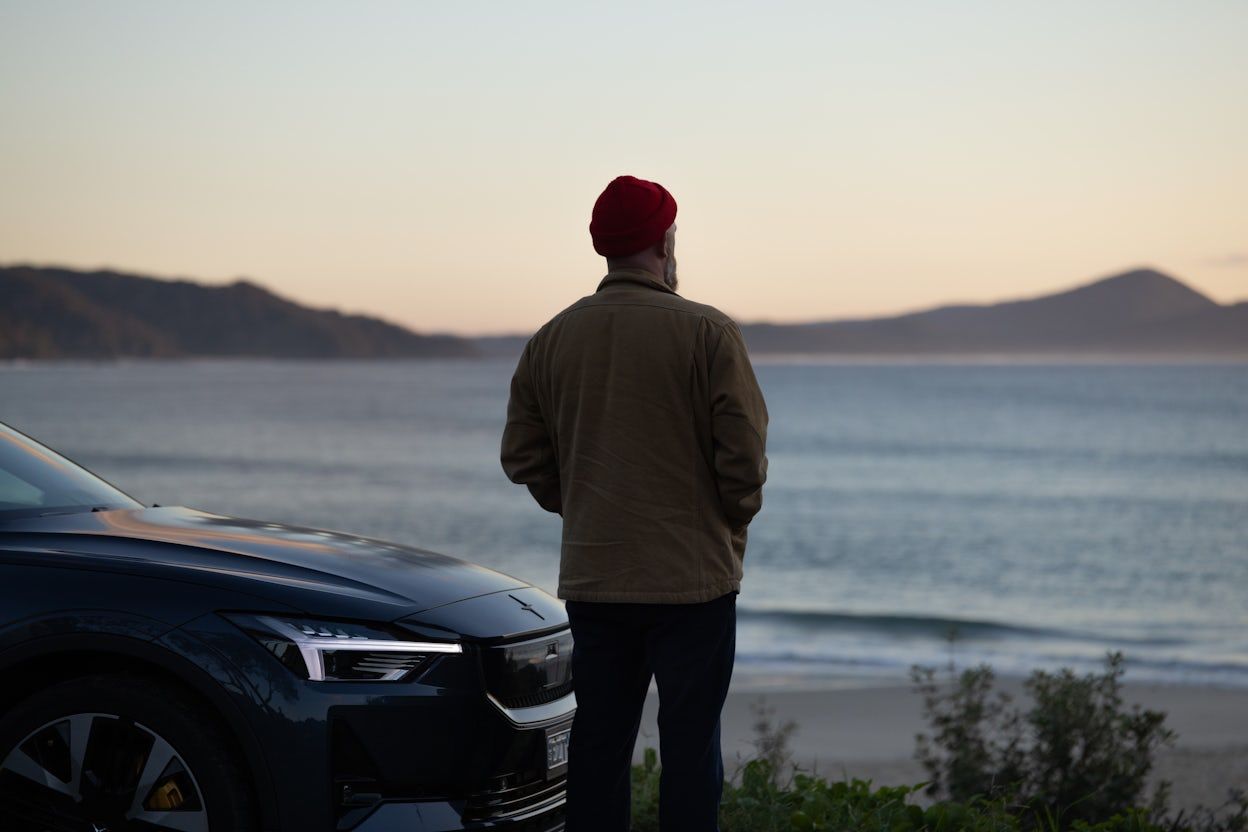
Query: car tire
[{"x": 114, "y": 749}]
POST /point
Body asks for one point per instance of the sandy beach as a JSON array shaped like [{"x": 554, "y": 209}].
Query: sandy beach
[{"x": 849, "y": 728}]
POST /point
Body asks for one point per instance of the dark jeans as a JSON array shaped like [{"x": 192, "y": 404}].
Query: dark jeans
[{"x": 689, "y": 648}]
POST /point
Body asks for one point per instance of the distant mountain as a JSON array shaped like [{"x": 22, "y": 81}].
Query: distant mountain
[
  {"x": 1140, "y": 312},
  {"x": 62, "y": 313},
  {"x": 504, "y": 346}
]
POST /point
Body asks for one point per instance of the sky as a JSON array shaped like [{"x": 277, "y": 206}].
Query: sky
[{"x": 435, "y": 163}]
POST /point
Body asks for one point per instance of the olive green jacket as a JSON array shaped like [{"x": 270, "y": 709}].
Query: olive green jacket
[{"x": 635, "y": 415}]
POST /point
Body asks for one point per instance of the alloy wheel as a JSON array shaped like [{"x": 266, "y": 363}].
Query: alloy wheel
[{"x": 93, "y": 772}]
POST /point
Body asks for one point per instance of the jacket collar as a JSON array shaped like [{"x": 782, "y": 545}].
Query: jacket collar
[{"x": 630, "y": 274}]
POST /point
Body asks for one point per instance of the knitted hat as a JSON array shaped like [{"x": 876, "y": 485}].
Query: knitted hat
[{"x": 630, "y": 215}]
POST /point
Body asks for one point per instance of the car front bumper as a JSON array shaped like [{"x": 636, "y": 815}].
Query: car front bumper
[{"x": 436, "y": 754}]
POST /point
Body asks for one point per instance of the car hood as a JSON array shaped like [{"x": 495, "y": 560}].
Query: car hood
[{"x": 321, "y": 572}]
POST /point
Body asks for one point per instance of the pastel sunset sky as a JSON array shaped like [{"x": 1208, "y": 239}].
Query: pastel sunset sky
[{"x": 435, "y": 163}]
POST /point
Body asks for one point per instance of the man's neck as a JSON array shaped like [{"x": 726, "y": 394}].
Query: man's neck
[{"x": 648, "y": 266}]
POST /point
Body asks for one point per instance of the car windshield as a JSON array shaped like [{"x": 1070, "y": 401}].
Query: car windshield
[{"x": 35, "y": 480}]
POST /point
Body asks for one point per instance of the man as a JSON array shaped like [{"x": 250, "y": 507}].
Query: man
[{"x": 635, "y": 415}]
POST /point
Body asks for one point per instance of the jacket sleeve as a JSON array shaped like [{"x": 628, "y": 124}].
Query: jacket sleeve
[
  {"x": 738, "y": 428},
  {"x": 527, "y": 454}
]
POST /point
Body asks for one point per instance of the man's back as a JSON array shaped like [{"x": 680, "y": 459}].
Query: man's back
[{"x": 635, "y": 414}]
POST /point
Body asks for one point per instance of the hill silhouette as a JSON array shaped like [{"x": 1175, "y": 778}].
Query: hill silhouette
[
  {"x": 63, "y": 313},
  {"x": 1137, "y": 313},
  {"x": 1140, "y": 311}
]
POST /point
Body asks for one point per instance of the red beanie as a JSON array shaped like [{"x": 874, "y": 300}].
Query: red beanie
[{"x": 630, "y": 215}]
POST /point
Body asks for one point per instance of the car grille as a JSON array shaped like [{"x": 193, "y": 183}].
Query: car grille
[
  {"x": 531, "y": 672},
  {"x": 519, "y": 800}
]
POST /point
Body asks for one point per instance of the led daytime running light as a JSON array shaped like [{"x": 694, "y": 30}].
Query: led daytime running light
[{"x": 314, "y": 645}]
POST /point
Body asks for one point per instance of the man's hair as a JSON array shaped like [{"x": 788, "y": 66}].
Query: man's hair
[{"x": 669, "y": 268}]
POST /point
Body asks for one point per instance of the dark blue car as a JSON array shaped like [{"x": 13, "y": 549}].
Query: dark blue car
[{"x": 163, "y": 668}]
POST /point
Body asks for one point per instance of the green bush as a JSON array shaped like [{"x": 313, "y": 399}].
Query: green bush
[
  {"x": 1076, "y": 732},
  {"x": 767, "y": 801},
  {"x": 762, "y": 804},
  {"x": 1076, "y": 755}
]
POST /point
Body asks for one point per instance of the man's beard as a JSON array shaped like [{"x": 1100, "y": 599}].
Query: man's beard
[{"x": 669, "y": 273}]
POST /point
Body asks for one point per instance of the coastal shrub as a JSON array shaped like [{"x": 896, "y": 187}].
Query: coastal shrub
[
  {"x": 771, "y": 739},
  {"x": 809, "y": 803},
  {"x": 772, "y": 795},
  {"x": 757, "y": 798},
  {"x": 1076, "y": 755},
  {"x": 760, "y": 803},
  {"x": 1231, "y": 816}
]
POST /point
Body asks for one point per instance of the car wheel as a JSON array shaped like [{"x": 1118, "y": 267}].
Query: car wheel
[{"x": 118, "y": 753}]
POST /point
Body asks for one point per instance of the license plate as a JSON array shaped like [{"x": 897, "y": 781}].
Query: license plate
[{"x": 557, "y": 748}]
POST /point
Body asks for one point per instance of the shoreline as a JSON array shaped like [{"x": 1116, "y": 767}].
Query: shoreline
[{"x": 846, "y": 728}]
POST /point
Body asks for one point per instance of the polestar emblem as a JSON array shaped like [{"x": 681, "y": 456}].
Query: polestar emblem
[
  {"x": 552, "y": 650},
  {"x": 525, "y": 605},
  {"x": 95, "y": 828}
]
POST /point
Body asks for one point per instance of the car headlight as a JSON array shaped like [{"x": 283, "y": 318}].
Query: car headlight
[{"x": 333, "y": 651}]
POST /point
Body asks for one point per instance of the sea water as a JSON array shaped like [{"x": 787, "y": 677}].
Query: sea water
[{"x": 1027, "y": 515}]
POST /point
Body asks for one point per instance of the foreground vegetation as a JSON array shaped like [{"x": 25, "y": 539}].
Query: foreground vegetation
[{"x": 1077, "y": 760}]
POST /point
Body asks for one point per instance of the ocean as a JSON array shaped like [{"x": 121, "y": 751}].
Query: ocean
[{"x": 1026, "y": 515}]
